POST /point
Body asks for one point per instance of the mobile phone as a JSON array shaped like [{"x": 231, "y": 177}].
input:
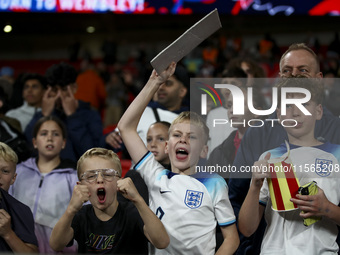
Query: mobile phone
[{"x": 309, "y": 189}]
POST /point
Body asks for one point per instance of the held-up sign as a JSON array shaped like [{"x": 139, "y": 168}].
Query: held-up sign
[{"x": 187, "y": 41}]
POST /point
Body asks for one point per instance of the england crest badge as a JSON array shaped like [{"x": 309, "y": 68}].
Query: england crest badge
[
  {"x": 323, "y": 167},
  {"x": 193, "y": 199}
]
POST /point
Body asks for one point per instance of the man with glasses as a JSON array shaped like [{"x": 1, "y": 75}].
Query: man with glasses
[{"x": 105, "y": 225}]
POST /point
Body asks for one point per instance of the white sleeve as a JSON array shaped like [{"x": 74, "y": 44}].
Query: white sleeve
[
  {"x": 264, "y": 193},
  {"x": 224, "y": 212},
  {"x": 149, "y": 168}
]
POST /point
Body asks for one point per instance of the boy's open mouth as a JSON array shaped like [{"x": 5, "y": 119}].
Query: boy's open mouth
[
  {"x": 101, "y": 195},
  {"x": 181, "y": 153}
]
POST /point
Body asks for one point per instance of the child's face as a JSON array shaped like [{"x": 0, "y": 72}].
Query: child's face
[
  {"x": 7, "y": 174},
  {"x": 229, "y": 80},
  {"x": 304, "y": 129},
  {"x": 103, "y": 191},
  {"x": 156, "y": 140},
  {"x": 239, "y": 119},
  {"x": 185, "y": 147},
  {"x": 49, "y": 140},
  {"x": 247, "y": 69}
]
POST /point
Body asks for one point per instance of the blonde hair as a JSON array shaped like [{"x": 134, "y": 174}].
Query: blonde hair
[
  {"x": 8, "y": 154},
  {"x": 102, "y": 153},
  {"x": 194, "y": 119}
]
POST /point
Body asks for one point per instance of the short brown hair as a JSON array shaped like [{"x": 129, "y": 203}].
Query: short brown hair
[
  {"x": 194, "y": 119},
  {"x": 302, "y": 46},
  {"x": 102, "y": 153},
  {"x": 313, "y": 85}
]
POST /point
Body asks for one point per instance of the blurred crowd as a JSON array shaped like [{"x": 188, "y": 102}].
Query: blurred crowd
[
  {"x": 87, "y": 97},
  {"x": 110, "y": 84}
]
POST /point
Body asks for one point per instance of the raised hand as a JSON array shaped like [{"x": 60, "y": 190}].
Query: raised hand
[
  {"x": 163, "y": 76},
  {"x": 260, "y": 170},
  {"x": 80, "y": 195},
  {"x": 69, "y": 103},
  {"x": 48, "y": 101},
  {"x": 128, "y": 189}
]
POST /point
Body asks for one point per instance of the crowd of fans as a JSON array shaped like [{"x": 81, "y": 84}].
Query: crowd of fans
[{"x": 50, "y": 120}]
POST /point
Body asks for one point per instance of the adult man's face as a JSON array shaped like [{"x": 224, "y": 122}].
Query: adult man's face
[
  {"x": 33, "y": 92},
  {"x": 299, "y": 62},
  {"x": 171, "y": 93}
]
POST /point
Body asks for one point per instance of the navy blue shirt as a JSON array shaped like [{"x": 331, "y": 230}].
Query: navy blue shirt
[{"x": 21, "y": 220}]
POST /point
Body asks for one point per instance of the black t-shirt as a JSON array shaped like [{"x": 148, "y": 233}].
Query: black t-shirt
[
  {"x": 122, "y": 234},
  {"x": 140, "y": 186}
]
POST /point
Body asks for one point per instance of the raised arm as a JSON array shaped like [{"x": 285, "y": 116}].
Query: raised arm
[
  {"x": 128, "y": 123},
  {"x": 251, "y": 211},
  {"x": 153, "y": 227},
  {"x": 62, "y": 232}
]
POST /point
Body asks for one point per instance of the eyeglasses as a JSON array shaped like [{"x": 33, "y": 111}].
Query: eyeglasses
[{"x": 92, "y": 175}]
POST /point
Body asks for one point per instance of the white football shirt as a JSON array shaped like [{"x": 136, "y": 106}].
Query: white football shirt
[{"x": 188, "y": 206}]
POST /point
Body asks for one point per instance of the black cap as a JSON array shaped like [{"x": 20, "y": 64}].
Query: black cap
[{"x": 182, "y": 75}]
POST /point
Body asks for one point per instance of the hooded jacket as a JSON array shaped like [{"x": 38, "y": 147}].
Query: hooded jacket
[{"x": 47, "y": 196}]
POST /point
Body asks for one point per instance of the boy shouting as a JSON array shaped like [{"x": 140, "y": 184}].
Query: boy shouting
[{"x": 188, "y": 203}]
